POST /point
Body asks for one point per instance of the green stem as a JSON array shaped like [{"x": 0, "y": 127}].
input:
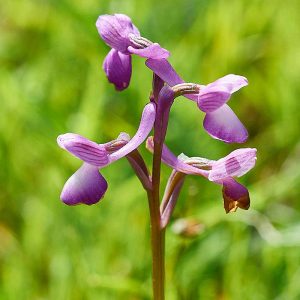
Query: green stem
[
  {"x": 158, "y": 250},
  {"x": 164, "y": 98},
  {"x": 157, "y": 233}
]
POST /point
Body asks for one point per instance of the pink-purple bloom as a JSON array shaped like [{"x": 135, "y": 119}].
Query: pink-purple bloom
[
  {"x": 222, "y": 171},
  {"x": 124, "y": 38},
  {"x": 220, "y": 121},
  {"x": 87, "y": 185}
]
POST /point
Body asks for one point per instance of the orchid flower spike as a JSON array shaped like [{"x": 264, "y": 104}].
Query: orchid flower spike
[
  {"x": 222, "y": 171},
  {"x": 87, "y": 185},
  {"x": 220, "y": 121},
  {"x": 124, "y": 38}
]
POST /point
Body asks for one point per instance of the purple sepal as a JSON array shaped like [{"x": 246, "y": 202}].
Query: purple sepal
[
  {"x": 115, "y": 31},
  {"x": 235, "y": 164},
  {"x": 117, "y": 67},
  {"x": 223, "y": 124},
  {"x": 146, "y": 125},
  {"x": 163, "y": 69},
  {"x": 154, "y": 51},
  {"x": 86, "y": 150},
  {"x": 85, "y": 186},
  {"x": 235, "y": 195}
]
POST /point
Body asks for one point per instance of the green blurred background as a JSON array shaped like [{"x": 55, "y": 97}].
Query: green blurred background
[{"x": 51, "y": 82}]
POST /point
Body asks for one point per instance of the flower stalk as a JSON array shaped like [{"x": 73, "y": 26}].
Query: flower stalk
[
  {"x": 164, "y": 101},
  {"x": 157, "y": 232}
]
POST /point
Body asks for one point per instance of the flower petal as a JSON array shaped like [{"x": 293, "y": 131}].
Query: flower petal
[
  {"x": 237, "y": 163},
  {"x": 117, "y": 67},
  {"x": 115, "y": 31},
  {"x": 230, "y": 82},
  {"x": 154, "y": 51},
  {"x": 235, "y": 195},
  {"x": 86, "y": 150},
  {"x": 146, "y": 125},
  {"x": 224, "y": 125},
  {"x": 212, "y": 98},
  {"x": 163, "y": 69},
  {"x": 86, "y": 186}
]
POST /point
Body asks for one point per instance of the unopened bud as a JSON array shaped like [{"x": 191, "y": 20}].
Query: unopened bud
[{"x": 188, "y": 227}]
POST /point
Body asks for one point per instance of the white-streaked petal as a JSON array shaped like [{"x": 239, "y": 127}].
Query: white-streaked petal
[
  {"x": 237, "y": 163},
  {"x": 230, "y": 82},
  {"x": 86, "y": 150}
]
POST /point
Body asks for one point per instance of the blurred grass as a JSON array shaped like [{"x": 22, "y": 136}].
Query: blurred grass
[{"x": 51, "y": 82}]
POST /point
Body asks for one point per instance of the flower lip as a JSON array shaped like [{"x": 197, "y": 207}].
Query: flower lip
[
  {"x": 85, "y": 186},
  {"x": 235, "y": 196},
  {"x": 224, "y": 125},
  {"x": 118, "y": 69}
]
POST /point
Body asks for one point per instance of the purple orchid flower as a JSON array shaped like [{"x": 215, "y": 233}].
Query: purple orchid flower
[
  {"x": 222, "y": 171},
  {"x": 220, "y": 121},
  {"x": 124, "y": 38},
  {"x": 87, "y": 185}
]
